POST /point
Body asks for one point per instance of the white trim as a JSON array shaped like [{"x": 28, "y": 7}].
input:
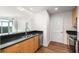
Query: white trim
[{"x": 46, "y": 44}]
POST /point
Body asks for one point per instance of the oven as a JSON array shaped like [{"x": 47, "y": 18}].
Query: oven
[{"x": 72, "y": 43}]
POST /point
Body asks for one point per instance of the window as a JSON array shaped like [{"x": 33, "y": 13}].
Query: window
[
  {"x": 6, "y": 26},
  {"x": 10, "y": 26}
]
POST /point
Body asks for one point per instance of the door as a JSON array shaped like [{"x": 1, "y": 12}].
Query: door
[{"x": 57, "y": 28}]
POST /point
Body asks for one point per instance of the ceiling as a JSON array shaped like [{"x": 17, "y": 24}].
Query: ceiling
[
  {"x": 50, "y": 9},
  {"x": 13, "y": 10}
]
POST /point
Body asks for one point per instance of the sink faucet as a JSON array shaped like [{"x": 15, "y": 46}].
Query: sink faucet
[{"x": 26, "y": 30}]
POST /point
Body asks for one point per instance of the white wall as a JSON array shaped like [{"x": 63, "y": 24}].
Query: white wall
[
  {"x": 22, "y": 23},
  {"x": 20, "y": 16},
  {"x": 40, "y": 22},
  {"x": 67, "y": 25}
]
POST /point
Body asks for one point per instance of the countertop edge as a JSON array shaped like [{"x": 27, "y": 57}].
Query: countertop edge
[{"x": 15, "y": 42}]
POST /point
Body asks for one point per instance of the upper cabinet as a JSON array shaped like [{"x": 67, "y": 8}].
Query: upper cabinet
[{"x": 74, "y": 16}]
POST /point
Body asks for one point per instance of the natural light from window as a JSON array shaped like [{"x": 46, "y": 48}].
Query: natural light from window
[{"x": 6, "y": 26}]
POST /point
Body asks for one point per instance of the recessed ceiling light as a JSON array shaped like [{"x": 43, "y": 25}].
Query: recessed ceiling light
[
  {"x": 56, "y": 9},
  {"x": 21, "y": 8}
]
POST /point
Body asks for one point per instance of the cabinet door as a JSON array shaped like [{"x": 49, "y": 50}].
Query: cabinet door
[
  {"x": 74, "y": 16},
  {"x": 36, "y": 43},
  {"x": 27, "y": 46},
  {"x": 12, "y": 49}
]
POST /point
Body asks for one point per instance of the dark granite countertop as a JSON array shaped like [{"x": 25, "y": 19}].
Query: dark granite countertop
[
  {"x": 70, "y": 32},
  {"x": 8, "y": 40},
  {"x": 16, "y": 33}
]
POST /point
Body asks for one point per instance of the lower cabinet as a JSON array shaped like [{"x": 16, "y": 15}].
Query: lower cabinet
[
  {"x": 28, "y": 46},
  {"x": 11, "y": 49},
  {"x": 36, "y": 43}
]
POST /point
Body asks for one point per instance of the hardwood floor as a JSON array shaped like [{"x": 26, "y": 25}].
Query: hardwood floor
[{"x": 54, "y": 47}]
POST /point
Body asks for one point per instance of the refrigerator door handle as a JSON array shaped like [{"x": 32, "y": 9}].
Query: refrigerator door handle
[{"x": 76, "y": 47}]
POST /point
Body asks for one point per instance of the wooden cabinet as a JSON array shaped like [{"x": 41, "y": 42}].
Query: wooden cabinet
[
  {"x": 26, "y": 46},
  {"x": 36, "y": 43},
  {"x": 12, "y": 49},
  {"x": 74, "y": 16},
  {"x": 30, "y": 45}
]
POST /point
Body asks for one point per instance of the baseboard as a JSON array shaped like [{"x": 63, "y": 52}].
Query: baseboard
[{"x": 46, "y": 45}]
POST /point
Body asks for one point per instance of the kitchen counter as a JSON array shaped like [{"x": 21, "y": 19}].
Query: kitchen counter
[
  {"x": 71, "y": 32},
  {"x": 16, "y": 41},
  {"x": 15, "y": 33},
  {"x": 21, "y": 38}
]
